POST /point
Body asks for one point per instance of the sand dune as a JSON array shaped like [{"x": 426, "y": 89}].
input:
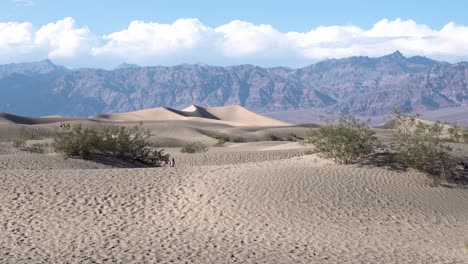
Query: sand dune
[
  {"x": 237, "y": 114},
  {"x": 25, "y": 120},
  {"x": 160, "y": 113},
  {"x": 232, "y": 115}
]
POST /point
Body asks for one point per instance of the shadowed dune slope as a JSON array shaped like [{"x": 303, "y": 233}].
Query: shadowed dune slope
[{"x": 153, "y": 114}]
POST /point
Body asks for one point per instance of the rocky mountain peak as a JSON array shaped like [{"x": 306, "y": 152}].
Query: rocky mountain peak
[
  {"x": 30, "y": 68},
  {"x": 356, "y": 85},
  {"x": 395, "y": 56}
]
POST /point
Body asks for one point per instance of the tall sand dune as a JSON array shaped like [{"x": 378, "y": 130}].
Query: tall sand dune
[
  {"x": 240, "y": 115},
  {"x": 232, "y": 115}
]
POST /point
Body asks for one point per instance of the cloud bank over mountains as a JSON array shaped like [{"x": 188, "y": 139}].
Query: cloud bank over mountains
[{"x": 188, "y": 40}]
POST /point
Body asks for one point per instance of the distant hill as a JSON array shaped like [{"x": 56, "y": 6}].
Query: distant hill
[
  {"x": 31, "y": 69},
  {"x": 126, "y": 66},
  {"x": 357, "y": 85}
]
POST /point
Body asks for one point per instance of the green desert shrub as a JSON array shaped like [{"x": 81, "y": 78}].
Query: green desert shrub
[
  {"x": 465, "y": 136},
  {"x": 221, "y": 137},
  {"x": 38, "y": 147},
  {"x": 76, "y": 141},
  {"x": 291, "y": 137},
  {"x": 272, "y": 137},
  {"x": 346, "y": 141},
  {"x": 31, "y": 133},
  {"x": 194, "y": 147},
  {"x": 454, "y": 133},
  {"x": 19, "y": 143},
  {"x": 129, "y": 144},
  {"x": 421, "y": 146},
  {"x": 238, "y": 139},
  {"x": 220, "y": 143}
]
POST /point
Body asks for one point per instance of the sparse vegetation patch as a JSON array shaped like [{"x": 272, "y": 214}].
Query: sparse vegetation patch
[
  {"x": 194, "y": 147},
  {"x": 238, "y": 139},
  {"x": 465, "y": 136},
  {"x": 19, "y": 143},
  {"x": 421, "y": 146},
  {"x": 129, "y": 144},
  {"x": 346, "y": 142},
  {"x": 272, "y": 137},
  {"x": 291, "y": 137}
]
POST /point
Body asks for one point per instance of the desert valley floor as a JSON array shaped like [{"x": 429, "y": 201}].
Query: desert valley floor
[{"x": 250, "y": 202}]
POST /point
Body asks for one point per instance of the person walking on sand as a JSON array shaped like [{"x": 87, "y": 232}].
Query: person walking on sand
[{"x": 172, "y": 163}]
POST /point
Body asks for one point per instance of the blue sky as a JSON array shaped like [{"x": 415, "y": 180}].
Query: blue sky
[{"x": 291, "y": 33}]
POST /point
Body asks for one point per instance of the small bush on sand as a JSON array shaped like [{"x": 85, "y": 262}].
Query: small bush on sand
[
  {"x": 291, "y": 137},
  {"x": 221, "y": 137},
  {"x": 220, "y": 143},
  {"x": 465, "y": 136},
  {"x": 346, "y": 142},
  {"x": 19, "y": 143},
  {"x": 77, "y": 141},
  {"x": 454, "y": 133},
  {"x": 238, "y": 139},
  {"x": 129, "y": 144},
  {"x": 38, "y": 147},
  {"x": 194, "y": 147},
  {"x": 272, "y": 137},
  {"x": 421, "y": 146}
]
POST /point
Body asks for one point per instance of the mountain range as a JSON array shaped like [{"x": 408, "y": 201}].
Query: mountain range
[{"x": 357, "y": 85}]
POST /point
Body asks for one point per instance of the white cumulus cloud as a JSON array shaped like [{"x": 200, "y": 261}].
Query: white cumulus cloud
[
  {"x": 142, "y": 39},
  {"x": 63, "y": 39},
  {"x": 189, "y": 40},
  {"x": 239, "y": 38},
  {"x": 15, "y": 37}
]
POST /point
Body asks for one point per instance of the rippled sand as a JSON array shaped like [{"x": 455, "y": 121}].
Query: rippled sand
[{"x": 227, "y": 209}]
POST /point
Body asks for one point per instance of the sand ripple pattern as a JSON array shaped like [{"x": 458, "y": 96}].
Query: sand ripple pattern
[
  {"x": 297, "y": 210},
  {"x": 235, "y": 157}
]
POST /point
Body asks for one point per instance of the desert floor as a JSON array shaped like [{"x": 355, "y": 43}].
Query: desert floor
[
  {"x": 253, "y": 202},
  {"x": 272, "y": 206}
]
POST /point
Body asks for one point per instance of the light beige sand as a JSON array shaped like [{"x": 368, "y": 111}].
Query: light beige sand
[
  {"x": 160, "y": 113},
  {"x": 255, "y": 202},
  {"x": 240, "y": 115},
  {"x": 282, "y": 210},
  {"x": 392, "y": 124},
  {"x": 232, "y": 115},
  {"x": 26, "y": 120}
]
